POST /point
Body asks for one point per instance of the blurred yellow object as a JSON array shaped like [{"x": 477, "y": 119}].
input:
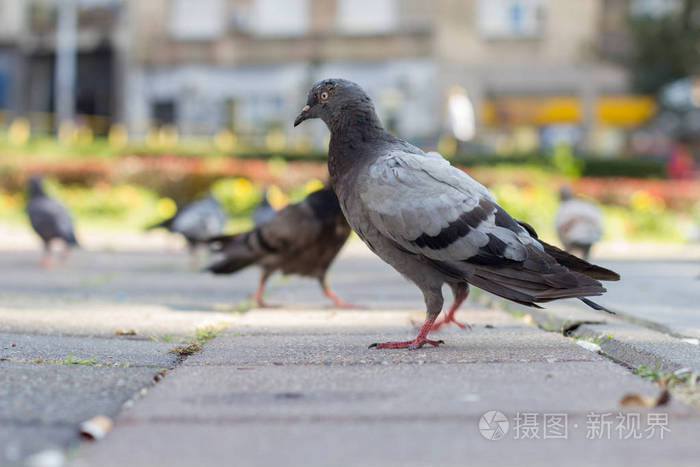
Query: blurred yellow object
[
  {"x": 625, "y": 110},
  {"x": 169, "y": 136},
  {"x": 642, "y": 200},
  {"x": 166, "y": 207},
  {"x": 530, "y": 110},
  {"x": 67, "y": 132},
  {"x": 225, "y": 141},
  {"x": 19, "y": 132},
  {"x": 447, "y": 146},
  {"x": 313, "y": 185},
  {"x": 242, "y": 187},
  {"x": 276, "y": 197},
  {"x": 275, "y": 140},
  {"x": 619, "y": 110},
  {"x": 84, "y": 134},
  {"x": 164, "y": 137},
  {"x": 118, "y": 137}
]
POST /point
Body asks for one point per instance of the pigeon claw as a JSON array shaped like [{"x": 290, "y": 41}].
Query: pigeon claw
[{"x": 415, "y": 344}]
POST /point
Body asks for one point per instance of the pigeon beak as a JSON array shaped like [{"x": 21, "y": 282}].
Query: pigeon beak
[{"x": 302, "y": 115}]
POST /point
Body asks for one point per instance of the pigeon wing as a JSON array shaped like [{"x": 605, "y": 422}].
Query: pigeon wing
[
  {"x": 428, "y": 207},
  {"x": 431, "y": 209}
]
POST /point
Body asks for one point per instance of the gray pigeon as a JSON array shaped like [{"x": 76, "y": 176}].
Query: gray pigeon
[
  {"x": 303, "y": 238},
  {"x": 432, "y": 222},
  {"x": 196, "y": 221},
  {"x": 264, "y": 212},
  {"x": 579, "y": 223},
  {"x": 50, "y": 220}
]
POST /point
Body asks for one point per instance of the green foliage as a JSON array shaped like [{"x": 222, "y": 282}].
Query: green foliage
[
  {"x": 564, "y": 161},
  {"x": 630, "y": 167}
]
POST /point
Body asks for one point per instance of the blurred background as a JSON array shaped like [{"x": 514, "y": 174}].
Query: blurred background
[{"x": 130, "y": 108}]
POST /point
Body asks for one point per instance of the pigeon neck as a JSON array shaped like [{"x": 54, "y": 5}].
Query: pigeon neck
[{"x": 354, "y": 122}]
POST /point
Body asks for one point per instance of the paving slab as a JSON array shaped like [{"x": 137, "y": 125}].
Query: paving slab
[
  {"x": 100, "y": 351},
  {"x": 301, "y": 393},
  {"x": 41, "y": 405},
  {"x": 402, "y": 442}
]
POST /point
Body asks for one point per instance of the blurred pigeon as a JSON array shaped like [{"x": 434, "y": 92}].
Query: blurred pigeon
[
  {"x": 196, "y": 221},
  {"x": 264, "y": 212},
  {"x": 432, "y": 222},
  {"x": 579, "y": 223},
  {"x": 303, "y": 238},
  {"x": 50, "y": 220}
]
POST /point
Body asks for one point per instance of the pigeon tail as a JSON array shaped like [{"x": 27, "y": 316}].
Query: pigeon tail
[
  {"x": 230, "y": 265},
  {"x": 240, "y": 250},
  {"x": 596, "y": 306},
  {"x": 166, "y": 224},
  {"x": 574, "y": 263}
]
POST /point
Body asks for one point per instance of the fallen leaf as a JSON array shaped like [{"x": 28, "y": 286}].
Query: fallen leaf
[
  {"x": 121, "y": 332},
  {"x": 638, "y": 400}
]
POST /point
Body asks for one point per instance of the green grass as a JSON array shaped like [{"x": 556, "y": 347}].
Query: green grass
[{"x": 71, "y": 360}]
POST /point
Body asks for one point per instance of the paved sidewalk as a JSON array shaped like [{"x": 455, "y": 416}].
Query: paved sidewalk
[
  {"x": 299, "y": 385},
  {"x": 302, "y": 388}
]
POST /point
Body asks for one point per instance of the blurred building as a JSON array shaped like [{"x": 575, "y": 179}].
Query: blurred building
[
  {"x": 27, "y": 60},
  {"x": 535, "y": 69}
]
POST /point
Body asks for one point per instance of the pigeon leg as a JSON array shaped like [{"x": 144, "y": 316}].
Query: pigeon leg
[
  {"x": 460, "y": 292},
  {"x": 46, "y": 259},
  {"x": 416, "y": 343},
  {"x": 258, "y": 296},
  {"x": 337, "y": 301},
  {"x": 433, "y": 301}
]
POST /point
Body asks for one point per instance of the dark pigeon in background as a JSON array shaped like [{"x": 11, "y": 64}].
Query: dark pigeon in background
[
  {"x": 264, "y": 212},
  {"x": 579, "y": 223},
  {"x": 197, "y": 222},
  {"x": 50, "y": 220},
  {"x": 432, "y": 222},
  {"x": 303, "y": 238}
]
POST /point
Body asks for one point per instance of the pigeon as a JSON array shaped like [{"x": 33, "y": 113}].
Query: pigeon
[
  {"x": 264, "y": 212},
  {"x": 432, "y": 222},
  {"x": 196, "y": 221},
  {"x": 50, "y": 220},
  {"x": 303, "y": 238},
  {"x": 578, "y": 222}
]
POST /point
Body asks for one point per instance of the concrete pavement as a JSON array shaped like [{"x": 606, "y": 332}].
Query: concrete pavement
[
  {"x": 290, "y": 388},
  {"x": 296, "y": 384}
]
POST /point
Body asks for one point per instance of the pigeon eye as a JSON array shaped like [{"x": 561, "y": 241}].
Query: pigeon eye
[{"x": 323, "y": 97}]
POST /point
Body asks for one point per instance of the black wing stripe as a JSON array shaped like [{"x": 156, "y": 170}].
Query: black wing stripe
[{"x": 458, "y": 228}]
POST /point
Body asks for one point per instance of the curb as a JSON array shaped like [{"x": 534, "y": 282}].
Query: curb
[{"x": 631, "y": 344}]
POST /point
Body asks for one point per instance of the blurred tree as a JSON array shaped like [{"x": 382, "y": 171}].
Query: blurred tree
[{"x": 666, "y": 46}]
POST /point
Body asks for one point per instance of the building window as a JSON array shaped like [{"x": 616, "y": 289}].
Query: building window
[
  {"x": 502, "y": 19},
  {"x": 163, "y": 112},
  {"x": 280, "y": 17},
  {"x": 197, "y": 19},
  {"x": 367, "y": 16}
]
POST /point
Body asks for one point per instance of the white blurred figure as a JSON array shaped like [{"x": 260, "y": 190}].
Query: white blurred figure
[
  {"x": 579, "y": 223},
  {"x": 460, "y": 114}
]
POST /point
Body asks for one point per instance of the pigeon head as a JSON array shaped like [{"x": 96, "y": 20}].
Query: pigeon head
[
  {"x": 35, "y": 188},
  {"x": 338, "y": 102},
  {"x": 565, "y": 193}
]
